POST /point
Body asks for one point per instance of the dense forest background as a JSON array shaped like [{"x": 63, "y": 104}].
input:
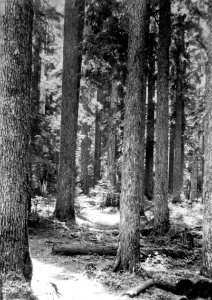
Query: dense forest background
[
  {"x": 120, "y": 95},
  {"x": 101, "y": 100}
]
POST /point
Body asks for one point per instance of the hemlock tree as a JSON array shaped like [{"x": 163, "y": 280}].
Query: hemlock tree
[
  {"x": 85, "y": 148},
  {"x": 73, "y": 33},
  {"x": 16, "y": 19},
  {"x": 207, "y": 188},
  {"x": 112, "y": 136},
  {"x": 128, "y": 254},
  {"x": 98, "y": 139},
  {"x": 149, "y": 167},
  {"x": 161, "y": 213},
  {"x": 178, "y": 166}
]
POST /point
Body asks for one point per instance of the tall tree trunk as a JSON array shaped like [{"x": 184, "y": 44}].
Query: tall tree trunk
[
  {"x": 36, "y": 79},
  {"x": 203, "y": 166},
  {"x": 85, "y": 147},
  {"x": 194, "y": 177},
  {"x": 207, "y": 189},
  {"x": 73, "y": 33},
  {"x": 149, "y": 181},
  {"x": 16, "y": 18},
  {"x": 111, "y": 158},
  {"x": 98, "y": 140},
  {"x": 85, "y": 158},
  {"x": 178, "y": 144},
  {"x": 42, "y": 100},
  {"x": 171, "y": 155},
  {"x": 161, "y": 212},
  {"x": 35, "y": 98},
  {"x": 128, "y": 254}
]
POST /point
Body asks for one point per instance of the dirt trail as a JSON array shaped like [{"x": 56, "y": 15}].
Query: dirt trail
[{"x": 59, "y": 277}]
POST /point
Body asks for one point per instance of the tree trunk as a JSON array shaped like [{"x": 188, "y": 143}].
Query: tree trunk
[
  {"x": 128, "y": 255},
  {"x": 207, "y": 189},
  {"x": 203, "y": 166},
  {"x": 111, "y": 158},
  {"x": 178, "y": 143},
  {"x": 149, "y": 181},
  {"x": 73, "y": 31},
  {"x": 85, "y": 158},
  {"x": 42, "y": 100},
  {"x": 194, "y": 177},
  {"x": 35, "y": 94},
  {"x": 171, "y": 155},
  {"x": 161, "y": 212},
  {"x": 16, "y": 18},
  {"x": 98, "y": 140}
]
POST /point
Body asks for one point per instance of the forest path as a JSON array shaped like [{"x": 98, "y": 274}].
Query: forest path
[{"x": 62, "y": 277}]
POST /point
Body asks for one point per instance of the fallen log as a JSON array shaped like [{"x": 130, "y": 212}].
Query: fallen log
[
  {"x": 80, "y": 249},
  {"x": 176, "y": 297},
  {"x": 140, "y": 288},
  {"x": 183, "y": 289},
  {"x": 171, "y": 252},
  {"x": 69, "y": 250}
]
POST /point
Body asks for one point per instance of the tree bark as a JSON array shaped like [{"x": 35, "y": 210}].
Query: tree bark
[
  {"x": 161, "y": 212},
  {"x": 85, "y": 148},
  {"x": 79, "y": 249},
  {"x": 149, "y": 181},
  {"x": 35, "y": 94},
  {"x": 85, "y": 158},
  {"x": 128, "y": 255},
  {"x": 194, "y": 177},
  {"x": 16, "y": 18},
  {"x": 111, "y": 158},
  {"x": 70, "y": 250},
  {"x": 171, "y": 155},
  {"x": 179, "y": 121},
  {"x": 98, "y": 140},
  {"x": 73, "y": 32},
  {"x": 207, "y": 188}
]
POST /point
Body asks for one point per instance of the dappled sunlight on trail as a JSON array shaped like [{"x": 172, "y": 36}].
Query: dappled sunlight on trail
[
  {"x": 53, "y": 282},
  {"x": 63, "y": 277},
  {"x": 103, "y": 217}
]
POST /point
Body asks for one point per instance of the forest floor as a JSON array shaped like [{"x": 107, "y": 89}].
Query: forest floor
[{"x": 91, "y": 277}]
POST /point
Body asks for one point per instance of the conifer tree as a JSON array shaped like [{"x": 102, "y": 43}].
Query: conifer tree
[
  {"x": 73, "y": 33},
  {"x": 15, "y": 83},
  {"x": 161, "y": 213},
  {"x": 128, "y": 254}
]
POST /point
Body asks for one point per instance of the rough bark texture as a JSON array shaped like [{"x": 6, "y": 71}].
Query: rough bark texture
[
  {"x": 133, "y": 144},
  {"x": 111, "y": 158},
  {"x": 203, "y": 166},
  {"x": 85, "y": 158},
  {"x": 194, "y": 177},
  {"x": 98, "y": 140},
  {"x": 16, "y": 18},
  {"x": 171, "y": 155},
  {"x": 73, "y": 31},
  {"x": 161, "y": 213},
  {"x": 207, "y": 188},
  {"x": 84, "y": 249},
  {"x": 42, "y": 100},
  {"x": 85, "y": 149},
  {"x": 178, "y": 143},
  {"x": 149, "y": 182},
  {"x": 35, "y": 94},
  {"x": 70, "y": 250}
]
